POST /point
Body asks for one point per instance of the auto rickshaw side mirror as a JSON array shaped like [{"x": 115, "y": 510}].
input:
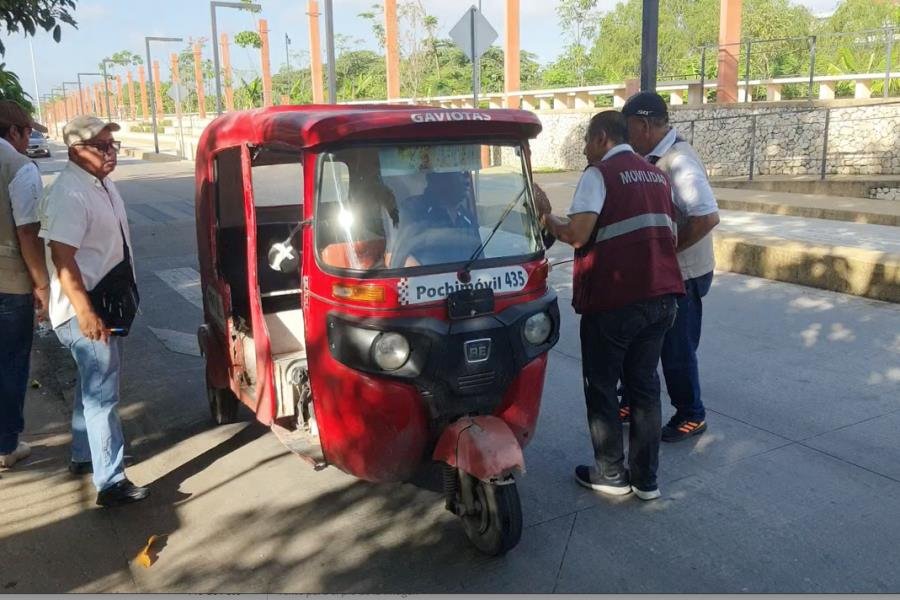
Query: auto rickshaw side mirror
[{"x": 282, "y": 255}]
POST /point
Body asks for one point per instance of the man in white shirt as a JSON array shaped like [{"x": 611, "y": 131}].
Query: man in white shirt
[
  {"x": 24, "y": 283},
  {"x": 84, "y": 222},
  {"x": 650, "y": 134}
]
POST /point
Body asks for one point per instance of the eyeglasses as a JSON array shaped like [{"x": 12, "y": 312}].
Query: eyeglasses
[{"x": 104, "y": 147}]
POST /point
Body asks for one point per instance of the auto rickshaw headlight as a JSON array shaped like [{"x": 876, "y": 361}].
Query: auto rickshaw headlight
[
  {"x": 390, "y": 351},
  {"x": 538, "y": 328}
]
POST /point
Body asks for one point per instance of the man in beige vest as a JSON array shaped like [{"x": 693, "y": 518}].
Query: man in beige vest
[{"x": 24, "y": 283}]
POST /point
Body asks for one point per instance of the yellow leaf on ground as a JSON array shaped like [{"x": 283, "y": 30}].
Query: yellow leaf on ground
[{"x": 144, "y": 559}]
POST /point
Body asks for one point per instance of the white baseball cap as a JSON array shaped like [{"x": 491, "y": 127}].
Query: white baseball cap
[{"x": 84, "y": 128}]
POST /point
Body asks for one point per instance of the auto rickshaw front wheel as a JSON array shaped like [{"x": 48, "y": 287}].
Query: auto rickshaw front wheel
[
  {"x": 223, "y": 404},
  {"x": 492, "y": 516}
]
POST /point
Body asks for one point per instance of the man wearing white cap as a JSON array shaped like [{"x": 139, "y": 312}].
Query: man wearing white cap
[
  {"x": 24, "y": 284},
  {"x": 84, "y": 222}
]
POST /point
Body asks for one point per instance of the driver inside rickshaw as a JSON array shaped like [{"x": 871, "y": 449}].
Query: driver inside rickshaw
[{"x": 445, "y": 206}]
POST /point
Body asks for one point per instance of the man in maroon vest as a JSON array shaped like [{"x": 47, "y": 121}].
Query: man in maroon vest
[{"x": 626, "y": 282}]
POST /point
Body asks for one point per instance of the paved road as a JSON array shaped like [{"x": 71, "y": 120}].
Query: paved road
[{"x": 794, "y": 488}]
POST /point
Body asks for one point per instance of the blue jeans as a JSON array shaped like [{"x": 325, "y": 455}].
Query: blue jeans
[
  {"x": 96, "y": 429},
  {"x": 16, "y": 335},
  {"x": 625, "y": 343},
  {"x": 679, "y": 351}
]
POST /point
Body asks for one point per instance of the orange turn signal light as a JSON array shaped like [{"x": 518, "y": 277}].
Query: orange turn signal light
[{"x": 358, "y": 293}]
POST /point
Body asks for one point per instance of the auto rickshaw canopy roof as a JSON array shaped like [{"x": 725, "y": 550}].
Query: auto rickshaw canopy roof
[{"x": 314, "y": 125}]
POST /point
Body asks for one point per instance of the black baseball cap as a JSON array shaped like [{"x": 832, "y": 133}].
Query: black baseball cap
[{"x": 645, "y": 104}]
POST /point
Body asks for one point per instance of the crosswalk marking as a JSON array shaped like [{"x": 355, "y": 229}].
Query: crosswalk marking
[{"x": 185, "y": 281}]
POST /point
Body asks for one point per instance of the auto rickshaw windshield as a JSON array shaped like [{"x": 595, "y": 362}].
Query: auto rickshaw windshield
[{"x": 406, "y": 206}]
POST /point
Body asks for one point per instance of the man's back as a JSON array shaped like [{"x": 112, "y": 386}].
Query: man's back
[
  {"x": 631, "y": 256},
  {"x": 694, "y": 197},
  {"x": 14, "y": 277}
]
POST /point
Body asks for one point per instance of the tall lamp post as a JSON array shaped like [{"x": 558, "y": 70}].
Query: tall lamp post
[
  {"x": 649, "y": 45},
  {"x": 147, "y": 41},
  {"x": 329, "y": 51},
  {"x": 80, "y": 93},
  {"x": 215, "y": 39}
]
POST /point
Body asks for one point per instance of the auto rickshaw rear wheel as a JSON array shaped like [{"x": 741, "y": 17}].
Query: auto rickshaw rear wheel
[
  {"x": 493, "y": 519},
  {"x": 223, "y": 404}
]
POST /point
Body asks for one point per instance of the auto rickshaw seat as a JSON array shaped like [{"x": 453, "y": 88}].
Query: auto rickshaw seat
[{"x": 369, "y": 252}]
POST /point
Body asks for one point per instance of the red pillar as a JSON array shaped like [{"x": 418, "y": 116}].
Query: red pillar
[
  {"x": 315, "y": 53},
  {"x": 198, "y": 78},
  {"x": 392, "y": 47},
  {"x": 131, "y": 105},
  {"x": 226, "y": 73},
  {"x": 145, "y": 101},
  {"x": 157, "y": 92},
  {"x": 119, "y": 103},
  {"x": 511, "y": 67},
  {"x": 266, "y": 67},
  {"x": 729, "y": 49}
]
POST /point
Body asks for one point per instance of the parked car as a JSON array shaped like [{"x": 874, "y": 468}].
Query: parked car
[{"x": 38, "y": 145}]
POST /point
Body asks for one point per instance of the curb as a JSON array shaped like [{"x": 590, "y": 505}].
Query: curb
[
  {"x": 812, "y": 212},
  {"x": 149, "y": 156},
  {"x": 865, "y": 273}
]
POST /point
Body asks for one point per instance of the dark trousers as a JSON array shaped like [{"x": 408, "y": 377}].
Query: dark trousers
[
  {"x": 16, "y": 335},
  {"x": 625, "y": 342},
  {"x": 679, "y": 351}
]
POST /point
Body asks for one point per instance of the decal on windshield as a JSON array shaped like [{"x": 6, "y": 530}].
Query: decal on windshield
[{"x": 432, "y": 288}]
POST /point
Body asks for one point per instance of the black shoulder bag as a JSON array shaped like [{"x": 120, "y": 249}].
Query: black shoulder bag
[{"x": 115, "y": 298}]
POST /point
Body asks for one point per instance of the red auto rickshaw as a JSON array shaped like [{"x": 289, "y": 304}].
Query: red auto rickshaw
[{"x": 375, "y": 290}]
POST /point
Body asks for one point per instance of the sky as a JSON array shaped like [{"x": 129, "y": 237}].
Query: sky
[{"x": 107, "y": 26}]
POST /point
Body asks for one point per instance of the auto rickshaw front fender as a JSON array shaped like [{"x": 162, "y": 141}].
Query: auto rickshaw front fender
[{"x": 483, "y": 446}]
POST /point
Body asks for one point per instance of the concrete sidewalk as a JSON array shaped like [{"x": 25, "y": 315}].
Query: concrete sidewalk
[
  {"x": 847, "y": 245},
  {"x": 814, "y": 206}
]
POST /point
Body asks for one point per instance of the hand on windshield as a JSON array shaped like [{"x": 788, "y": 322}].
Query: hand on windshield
[{"x": 541, "y": 201}]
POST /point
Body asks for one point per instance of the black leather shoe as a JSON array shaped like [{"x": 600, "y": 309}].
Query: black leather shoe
[
  {"x": 123, "y": 492},
  {"x": 81, "y": 468}
]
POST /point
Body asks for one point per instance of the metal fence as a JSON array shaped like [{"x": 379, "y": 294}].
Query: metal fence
[
  {"x": 819, "y": 141},
  {"x": 805, "y": 57}
]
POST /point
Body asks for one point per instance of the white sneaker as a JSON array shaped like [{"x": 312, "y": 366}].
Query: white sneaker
[
  {"x": 21, "y": 452},
  {"x": 646, "y": 494}
]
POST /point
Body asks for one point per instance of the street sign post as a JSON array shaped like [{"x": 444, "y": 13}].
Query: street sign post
[{"x": 474, "y": 35}]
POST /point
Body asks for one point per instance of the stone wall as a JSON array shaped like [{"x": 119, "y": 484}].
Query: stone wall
[
  {"x": 784, "y": 139},
  {"x": 885, "y": 193}
]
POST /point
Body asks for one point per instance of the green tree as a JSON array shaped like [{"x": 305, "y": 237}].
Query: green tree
[
  {"x": 860, "y": 15},
  {"x": 360, "y": 75},
  {"x": 188, "y": 75},
  {"x": 249, "y": 94},
  {"x": 688, "y": 25},
  {"x": 125, "y": 58},
  {"x": 578, "y": 20},
  {"x": 27, "y": 17},
  {"x": 295, "y": 83},
  {"x": 11, "y": 88},
  {"x": 248, "y": 39},
  {"x": 854, "y": 40}
]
